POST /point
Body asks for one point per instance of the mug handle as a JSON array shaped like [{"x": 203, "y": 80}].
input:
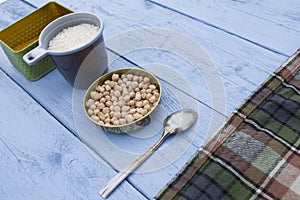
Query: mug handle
[{"x": 34, "y": 55}]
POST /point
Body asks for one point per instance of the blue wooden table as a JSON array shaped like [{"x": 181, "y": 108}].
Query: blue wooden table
[{"x": 50, "y": 151}]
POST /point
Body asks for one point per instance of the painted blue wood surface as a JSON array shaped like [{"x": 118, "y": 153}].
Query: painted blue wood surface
[
  {"x": 268, "y": 24},
  {"x": 40, "y": 159},
  {"x": 50, "y": 134}
]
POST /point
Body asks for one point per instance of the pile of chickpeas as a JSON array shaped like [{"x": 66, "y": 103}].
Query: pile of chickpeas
[{"x": 123, "y": 99}]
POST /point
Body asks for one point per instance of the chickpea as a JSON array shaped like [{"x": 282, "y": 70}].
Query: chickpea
[
  {"x": 131, "y": 103},
  {"x": 101, "y": 116},
  {"x": 107, "y": 120},
  {"x": 137, "y": 116},
  {"x": 111, "y": 108},
  {"x": 149, "y": 90},
  {"x": 148, "y": 96},
  {"x": 116, "y": 122},
  {"x": 117, "y": 108},
  {"x": 135, "y": 78},
  {"x": 111, "y": 93},
  {"x": 105, "y": 110},
  {"x": 144, "y": 95},
  {"x": 90, "y": 112},
  {"x": 125, "y": 108},
  {"x": 112, "y": 84},
  {"x": 117, "y": 93},
  {"x": 125, "y": 92},
  {"x": 89, "y": 103},
  {"x": 123, "y": 85},
  {"x": 134, "y": 84},
  {"x": 122, "y": 121},
  {"x": 146, "y": 79},
  {"x": 141, "y": 85},
  {"x": 128, "y": 84},
  {"x": 105, "y": 93},
  {"x": 106, "y": 82},
  {"x": 126, "y": 98},
  {"x": 108, "y": 103},
  {"x": 124, "y": 114},
  {"x": 147, "y": 107},
  {"x": 132, "y": 94},
  {"x": 118, "y": 88},
  {"x": 141, "y": 78},
  {"x": 107, "y": 97},
  {"x": 107, "y": 88},
  {"x": 96, "y": 111},
  {"x": 101, "y": 89},
  {"x": 122, "y": 103},
  {"x": 140, "y": 110},
  {"x": 102, "y": 100},
  {"x": 152, "y": 87},
  {"x": 155, "y": 91},
  {"x": 138, "y": 96},
  {"x": 115, "y": 77},
  {"x": 132, "y": 111},
  {"x": 129, "y": 77},
  {"x": 98, "y": 88},
  {"x": 129, "y": 118},
  {"x": 114, "y": 98},
  {"x": 92, "y": 94},
  {"x": 139, "y": 104},
  {"x": 93, "y": 107},
  {"x": 121, "y": 98},
  {"x": 95, "y": 118},
  {"x": 101, "y": 106},
  {"x": 97, "y": 96},
  {"x": 111, "y": 114},
  {"x": 146, "y": 86},
  {"x": 97, "y": 103},
  {"x": 144, "y": 112},
  {"x": 120, "y": 81},
  {"x": 117, "y": 115},
  {"x": 145, "y": 102},
  {"x": 152, "y": 99}
]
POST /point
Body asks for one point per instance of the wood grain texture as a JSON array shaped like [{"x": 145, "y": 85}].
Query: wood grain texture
[
  {"x": 242, "y": 67},
  {"x": 268, "y": 24},
  {"x": 41, "y": 159},
  {"x": 58, "y": 94}
]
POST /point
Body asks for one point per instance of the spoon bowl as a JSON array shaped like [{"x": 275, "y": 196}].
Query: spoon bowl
[{"x": 180, "y": 121}]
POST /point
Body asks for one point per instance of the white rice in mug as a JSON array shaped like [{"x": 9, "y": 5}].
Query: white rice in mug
[{"x": 73, "y": 37}]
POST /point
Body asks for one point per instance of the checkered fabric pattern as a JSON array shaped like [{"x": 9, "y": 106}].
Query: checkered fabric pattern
[{"x": 255, "y": 155}]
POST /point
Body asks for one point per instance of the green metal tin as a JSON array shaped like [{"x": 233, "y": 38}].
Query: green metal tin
[{"x": 22, "y": 36}]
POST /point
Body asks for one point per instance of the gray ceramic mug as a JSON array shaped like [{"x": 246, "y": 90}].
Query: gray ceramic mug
[{"x": 79, "y": 66}]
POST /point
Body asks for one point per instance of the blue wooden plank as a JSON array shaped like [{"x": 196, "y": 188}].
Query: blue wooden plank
[
  {"x": 10, "y": 171},
  {"x": 240, "y": 65},
  {"x": 41, "y": 159},
  {"x": 55, "y": 97},
  {"x": 271, "y": 25}
]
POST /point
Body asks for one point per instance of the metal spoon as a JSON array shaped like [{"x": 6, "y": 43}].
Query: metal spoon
[{"x": 175, "y": 123}]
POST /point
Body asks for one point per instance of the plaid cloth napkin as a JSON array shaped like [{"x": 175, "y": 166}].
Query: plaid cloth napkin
[{"x": 255, "y": 155}]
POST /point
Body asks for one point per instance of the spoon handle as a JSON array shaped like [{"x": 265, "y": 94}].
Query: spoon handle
[{"x": 118, "y": 178}]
